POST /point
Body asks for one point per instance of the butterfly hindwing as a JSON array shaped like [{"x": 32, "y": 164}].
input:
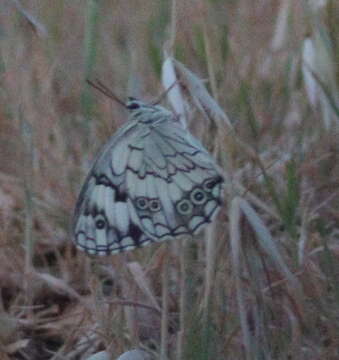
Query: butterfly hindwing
[
  {"x": 181, "y": 190},
  {"x": 152, "y": 181}
]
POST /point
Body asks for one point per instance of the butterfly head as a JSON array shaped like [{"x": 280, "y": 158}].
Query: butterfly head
[
  {"x": 143, "y": 112},
  {"x": 134, "y": 104}
]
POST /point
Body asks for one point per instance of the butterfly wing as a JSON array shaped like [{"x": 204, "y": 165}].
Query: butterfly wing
[
  {"x": 173, "y": 182},
  {"x": 105, "y": 221},
  {"x": 149, "y": 183}
]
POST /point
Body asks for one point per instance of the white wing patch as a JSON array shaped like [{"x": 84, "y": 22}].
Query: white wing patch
[{"x": 152, "y": 182}]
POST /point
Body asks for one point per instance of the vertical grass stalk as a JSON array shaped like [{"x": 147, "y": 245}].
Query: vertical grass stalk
[
  {"x": 164, "y": 308},
  {"x": 27, "y": 137},
  {"x": 90, "y": 52}
]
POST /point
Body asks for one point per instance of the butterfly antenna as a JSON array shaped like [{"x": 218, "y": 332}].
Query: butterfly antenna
[
  {"x": 98, "y": 85},
  {"x": 159, "y": 99}
]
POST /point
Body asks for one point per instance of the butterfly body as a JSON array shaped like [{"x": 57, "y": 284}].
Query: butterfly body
[{"x": 152, "y": 181}]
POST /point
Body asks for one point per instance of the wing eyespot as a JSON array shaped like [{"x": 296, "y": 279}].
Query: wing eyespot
[
  {"x": 100, "y": 224},
  {"x": 155, "y": 205},
  {"x": 142, "y": 203},
  {"x": 198, "y": 196},
  {"x": 184, "y": 207}
]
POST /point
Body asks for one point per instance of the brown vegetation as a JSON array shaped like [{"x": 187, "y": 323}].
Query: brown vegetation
[{"x": 262, "y": 281}]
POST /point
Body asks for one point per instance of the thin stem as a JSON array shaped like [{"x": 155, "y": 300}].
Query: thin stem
[{"x": 164, "y": 312}]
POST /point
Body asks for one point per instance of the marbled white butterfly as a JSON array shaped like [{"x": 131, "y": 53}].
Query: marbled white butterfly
[{"x": 152, "y": 181}]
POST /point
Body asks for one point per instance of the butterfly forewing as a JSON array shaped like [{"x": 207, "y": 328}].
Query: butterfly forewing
[{"x": 152, "y": 181}]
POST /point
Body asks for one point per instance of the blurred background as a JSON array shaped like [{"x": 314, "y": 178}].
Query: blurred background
[{"x": 262, "y": 281}]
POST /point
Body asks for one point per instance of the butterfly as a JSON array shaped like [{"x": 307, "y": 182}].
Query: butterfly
[{"x": 153, "y": 181}]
